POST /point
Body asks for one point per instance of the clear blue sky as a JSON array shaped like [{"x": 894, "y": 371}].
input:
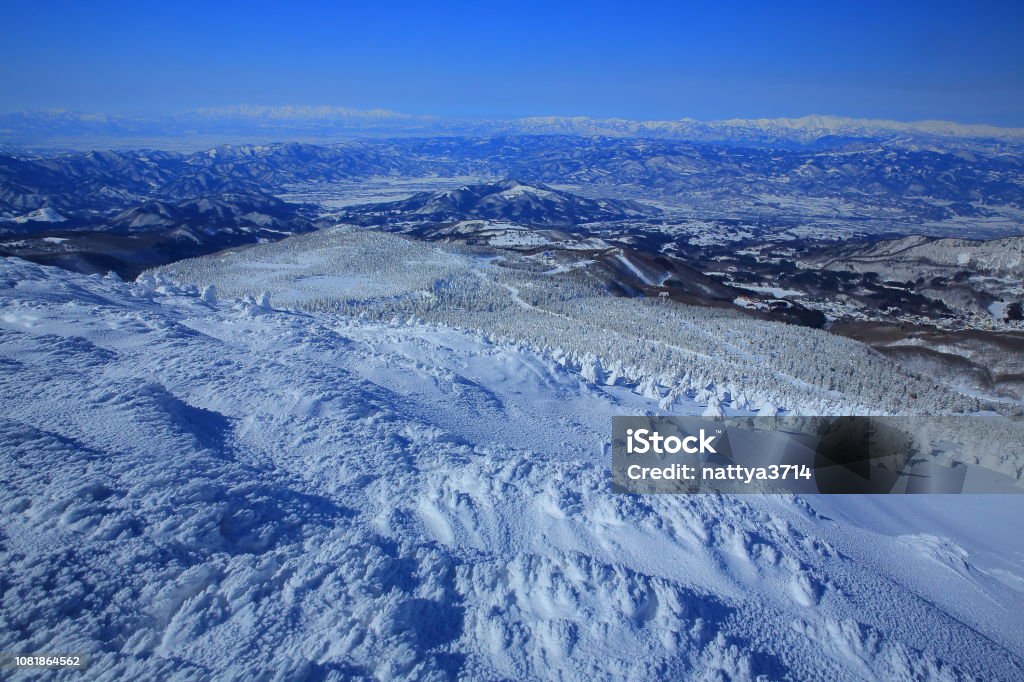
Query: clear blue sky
[{"x": 961, "y": 61}]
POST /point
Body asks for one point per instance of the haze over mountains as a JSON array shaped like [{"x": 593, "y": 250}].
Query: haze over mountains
[{"x": 310, "y": 123}]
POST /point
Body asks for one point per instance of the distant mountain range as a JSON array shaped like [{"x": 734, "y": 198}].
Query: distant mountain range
[
  {"x": 899, "y": 187},
  {"x": 320, "y": 123},
  {"x": 222, "y": 196},
  {"x": 766, "y": 132}
]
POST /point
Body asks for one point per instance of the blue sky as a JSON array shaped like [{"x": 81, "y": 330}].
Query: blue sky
[{"x": 708, "y": 60}]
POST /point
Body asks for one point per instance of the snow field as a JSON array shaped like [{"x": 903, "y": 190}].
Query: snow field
[{"x": 231, "y": 490}]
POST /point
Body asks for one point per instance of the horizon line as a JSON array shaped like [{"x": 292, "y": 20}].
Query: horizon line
[{"x": 328, "y": 111}]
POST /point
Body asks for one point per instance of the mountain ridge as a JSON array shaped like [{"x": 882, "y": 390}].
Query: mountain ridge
[
  {"x": 523, "y": 203},
  {"x": 282, "y": 123}
]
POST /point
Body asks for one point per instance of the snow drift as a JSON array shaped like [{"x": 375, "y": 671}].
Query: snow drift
[{"x": 197, "y": 487}]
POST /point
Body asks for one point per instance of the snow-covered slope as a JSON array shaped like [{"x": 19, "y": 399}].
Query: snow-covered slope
[
  {"x": 216, "y": 490},
  {"x": 924, "y": 256},
  {"x": 509, "y": 200},
  {"x": 678, "y": 351},
  {"x": 41, "y": 215}
]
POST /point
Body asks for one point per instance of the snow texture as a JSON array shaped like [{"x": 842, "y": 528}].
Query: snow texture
[{"x": 195, "y": 487}]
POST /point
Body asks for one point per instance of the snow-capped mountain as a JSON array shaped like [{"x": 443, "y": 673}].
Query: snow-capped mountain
[
  {"x": 300, "y": 112},
  {"x": 153, "y": 232},
  {"x": 784, "y": 132},
  {"x": 509, "y": 200},
  {"x": 209, "y": 213},
  {"x": 808, "y": 128},
  {"x": 310, "y": 123},
  {"x": 41, "y": 215}
]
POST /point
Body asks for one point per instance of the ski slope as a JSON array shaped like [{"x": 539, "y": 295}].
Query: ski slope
[{"x": 195, "y": 490}]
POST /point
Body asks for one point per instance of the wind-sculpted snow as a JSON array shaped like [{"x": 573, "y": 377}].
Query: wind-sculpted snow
[{"x": 197, "y": 490}]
